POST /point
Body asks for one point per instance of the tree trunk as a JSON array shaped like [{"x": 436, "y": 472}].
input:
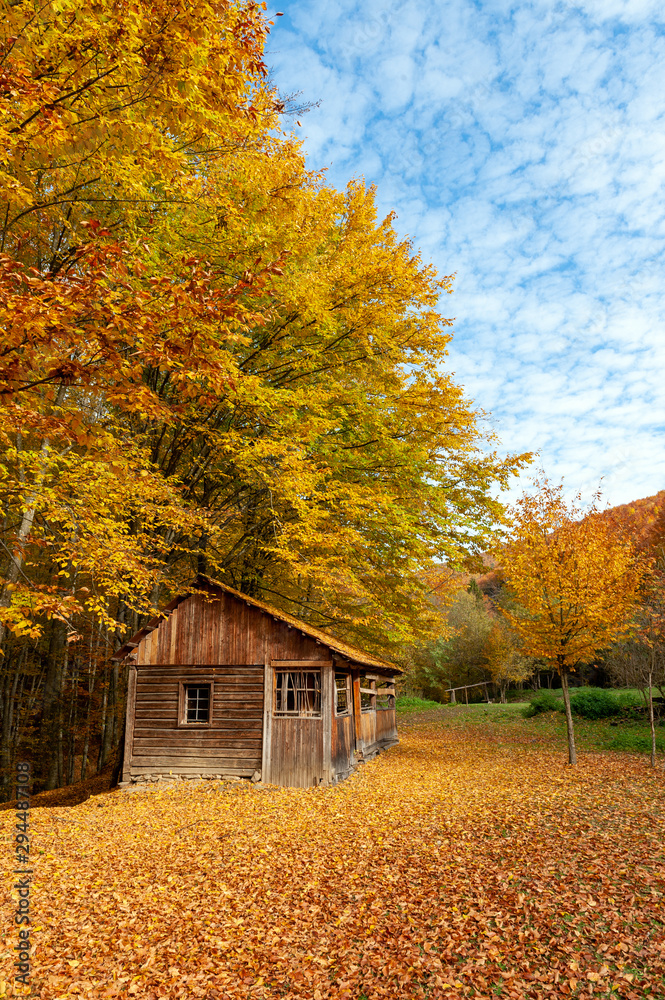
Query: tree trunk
[
  {"x": 72, "y": 722},
  {"x": 101, "y": 759},
  {"x": 572, "y": 753},
  {"x": 17, "y": 555},
  {"x": 652, "y": 723},
  {"x": 9, "y": 695},
  {"x": 92, "y": 670},
  {"x": 113, "y": 699},
  {"x": 51, "y": 725}
]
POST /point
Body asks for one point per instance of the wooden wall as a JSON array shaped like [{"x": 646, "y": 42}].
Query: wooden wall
[
  {"x": 225, "y": 630},
  {"x": 343, "y": 745},
  {"x": 368, "y": 728},
  {"x": 230, "y": 745},
  {"x": 386, "y": 725},
  {"x": 296, "y": 758}
]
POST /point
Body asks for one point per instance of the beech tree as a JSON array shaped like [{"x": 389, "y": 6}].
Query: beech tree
[
  {"x": 107, "y": 114},
  {"x": 575, "y": 577},
  {"x": 211, "y": 360}
]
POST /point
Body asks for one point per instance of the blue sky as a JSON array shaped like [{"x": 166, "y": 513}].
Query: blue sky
[{"x": 522, "y": 147}]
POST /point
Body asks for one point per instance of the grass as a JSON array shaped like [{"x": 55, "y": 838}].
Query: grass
[
  {"x": 407, "y": 704},
  {"x": 621, "y": 735}
]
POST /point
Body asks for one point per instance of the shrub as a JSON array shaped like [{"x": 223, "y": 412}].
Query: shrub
[
  {"x": 546, "y": 701},
  {"x": 594, "y": 703},
  {"x": 409, "y": 703}
]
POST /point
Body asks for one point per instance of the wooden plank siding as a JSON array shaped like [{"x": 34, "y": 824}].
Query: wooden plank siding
[
  {"x": 231, "y": 744},
  {"x": 223, "y": 630},
  {"x": 386, "y": 726},
  {"x": 368, "y": 728},
  {"x": 343, "y": 745},
  {"x": 296, "y": 758}
]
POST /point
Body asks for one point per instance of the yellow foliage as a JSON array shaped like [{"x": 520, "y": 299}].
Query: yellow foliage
[
  {"x": 574, "y": 575},
  {"x": 113, "y": 107},
  {"x": 211, "y": 356},
  {"x": 505, "y": 662}
]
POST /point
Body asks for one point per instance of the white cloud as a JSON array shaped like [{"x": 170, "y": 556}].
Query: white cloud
[{"x": 525, "y": 150}]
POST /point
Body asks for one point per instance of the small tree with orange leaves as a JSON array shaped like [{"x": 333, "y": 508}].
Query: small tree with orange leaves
[{"x": 575, "y": 577}]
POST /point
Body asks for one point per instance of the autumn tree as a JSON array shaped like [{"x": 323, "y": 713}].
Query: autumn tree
[
  {"x": 211, "y": 359},
  {"x": 505, "y": 662},
  {"x": 575, "y": 578},
  {"x": 640, "y": 660},
  {"x": 109, "y": 115}
]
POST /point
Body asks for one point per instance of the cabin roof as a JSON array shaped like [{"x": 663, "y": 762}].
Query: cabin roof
[{"x": 205, "y": 583}]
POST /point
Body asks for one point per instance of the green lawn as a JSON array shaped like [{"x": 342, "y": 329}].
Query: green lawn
[{"x": 621, "y": 735}]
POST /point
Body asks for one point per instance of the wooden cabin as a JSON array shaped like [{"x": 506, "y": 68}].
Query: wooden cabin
[{"x": 221, "y": 684}]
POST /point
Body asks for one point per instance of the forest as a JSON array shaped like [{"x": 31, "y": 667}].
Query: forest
[
  {"x": 217, "y": 366},
  {"x": 212, "y": 361}
]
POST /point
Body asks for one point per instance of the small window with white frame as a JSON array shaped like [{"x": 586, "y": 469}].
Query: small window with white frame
[
  {"x": 195, "y": 703},
  {"x": 342, "y": 694}
]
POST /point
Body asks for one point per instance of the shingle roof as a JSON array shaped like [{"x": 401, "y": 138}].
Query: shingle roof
[{"x": 205, "y": 583}]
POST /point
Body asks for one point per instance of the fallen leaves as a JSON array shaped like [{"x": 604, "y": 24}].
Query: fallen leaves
[{"x": 453, "y": 866}]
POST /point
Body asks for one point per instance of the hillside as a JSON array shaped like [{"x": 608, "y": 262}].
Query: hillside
[{"x": 643, "y": 519}]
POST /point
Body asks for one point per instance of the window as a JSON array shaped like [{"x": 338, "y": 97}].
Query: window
[
  {"x": 195, "y": 703},
  {"x": 367, "y": 694},
  {"x": 385, "y": 697},
  {"x": 342, "y": 694},
  {"x": 198, "y": 703},
  {"x": 298, "y": 693}
]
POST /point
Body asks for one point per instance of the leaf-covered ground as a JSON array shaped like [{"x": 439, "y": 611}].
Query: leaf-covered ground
[{"x": 468, "y": 861}]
